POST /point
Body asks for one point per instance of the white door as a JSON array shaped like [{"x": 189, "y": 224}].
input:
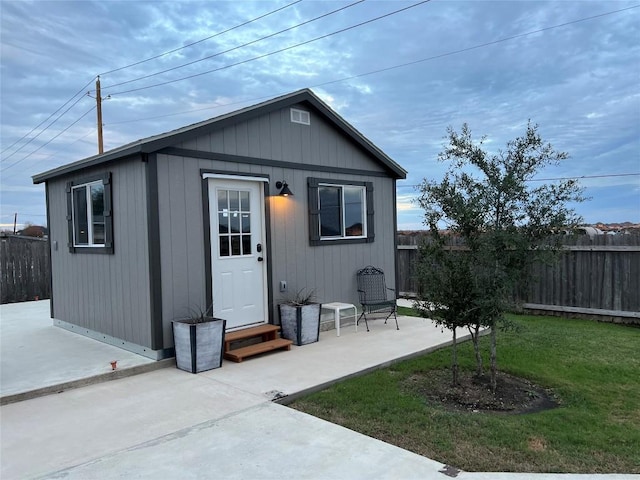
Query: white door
[{"x": 237, "y": 251}]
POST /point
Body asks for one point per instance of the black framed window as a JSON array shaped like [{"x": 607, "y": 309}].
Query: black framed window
[
  {"x": 340, "y": 212},
  {"x": 89, "y": 215}
]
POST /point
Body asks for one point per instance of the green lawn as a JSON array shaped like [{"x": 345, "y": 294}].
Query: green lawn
[{"x": 593, "y": 368}]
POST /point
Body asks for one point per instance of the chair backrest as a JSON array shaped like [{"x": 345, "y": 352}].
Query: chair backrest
[{"x": 371, "y": 285}]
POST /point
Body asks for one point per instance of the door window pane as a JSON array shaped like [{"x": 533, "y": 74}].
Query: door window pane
[
  {"x": 234, "y": 222},
  {"x": 222, "y": 200},
  {"x": 224, "y": 245},
  {"x": 234, "y": 200},
  {"x": 246, "y": 223},
  {"x": 235, "y": 245},
  {"x": 244, "y": 201},
  {"x": 246, "y": 244},
  {"x": 223, "y": 223}
]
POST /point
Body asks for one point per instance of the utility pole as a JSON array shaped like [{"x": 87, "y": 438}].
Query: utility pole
[
  {"x": 15, "y": 222},
  {"x": 99, "y": 110}
]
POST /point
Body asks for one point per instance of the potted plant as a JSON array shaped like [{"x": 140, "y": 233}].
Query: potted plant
[
  {"x": 199, "y": 341},
  {"x": 300, "y": 318}
]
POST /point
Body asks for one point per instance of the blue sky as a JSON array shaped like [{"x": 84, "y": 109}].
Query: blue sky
[{"x": 491, "y": 64}]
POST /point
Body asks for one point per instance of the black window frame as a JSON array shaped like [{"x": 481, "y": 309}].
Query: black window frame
[
  {"x": 107, "y": 248},
  {"x": 315, "y": 239}
]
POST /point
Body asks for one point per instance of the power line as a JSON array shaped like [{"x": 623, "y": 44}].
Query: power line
[
  {"x": 380, "y": 70},
  {"x": 475, "y": 47},
  {"x": 23, "y": 214},
  {"x": 274, "y": 52},
  {"x": 91, "y": 132},
  {"x": 45, "y": 120},
  {"x": 50, "y": 140},
  {"x": 202, "y": 40},
  {"x": 131, "y": 65},
  {"x": 372, "y": 72},
  {"x": 234, "y": 48},
  {"x": 585, "y": 176}
]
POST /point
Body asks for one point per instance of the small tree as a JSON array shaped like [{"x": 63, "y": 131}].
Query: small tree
[
  {"x": 504, "y": 223},
  {"x": 446, "y": 285}
]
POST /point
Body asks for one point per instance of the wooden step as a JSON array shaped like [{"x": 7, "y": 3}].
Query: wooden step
[
  {"x": 266, "y": 332},
  {"x": 251, "y": 332},
  {"x": 239, "y": 354}
]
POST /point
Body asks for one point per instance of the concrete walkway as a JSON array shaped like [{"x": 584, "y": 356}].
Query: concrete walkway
[
  {"x": 35, "y": 355},
  {"x": 222, "y": 423}
]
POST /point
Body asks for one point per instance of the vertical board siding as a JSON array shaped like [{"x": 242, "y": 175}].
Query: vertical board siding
[
  {"x": 604, "y": 278},
  {"x": 329, "y": 270},
  {"x": 24, "y": 269},
  {"x": 274, "y": 137},
  {"x": 105, "y": 293}
]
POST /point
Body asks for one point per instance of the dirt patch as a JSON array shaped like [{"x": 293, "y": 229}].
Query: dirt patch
[
  {"x": 513, "y": 395},
  {"x": 537, "y": 444}
]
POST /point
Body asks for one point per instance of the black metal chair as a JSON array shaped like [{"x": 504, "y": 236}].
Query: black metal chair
[{"x": 373, "y": 292}]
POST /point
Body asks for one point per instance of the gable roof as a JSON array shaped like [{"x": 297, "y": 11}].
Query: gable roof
[{"x": 158, "y": 142}]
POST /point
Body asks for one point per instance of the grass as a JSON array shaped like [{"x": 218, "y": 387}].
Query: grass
[{"x": 593, "y": 369}]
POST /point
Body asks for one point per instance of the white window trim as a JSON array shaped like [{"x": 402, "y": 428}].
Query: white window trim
[
  {"x": 343, "y": 236},
  {"x": 89, "y": 215}
]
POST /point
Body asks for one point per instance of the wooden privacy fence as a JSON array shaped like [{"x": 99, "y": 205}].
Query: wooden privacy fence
[
  {"x": 24, "y": 269},
  {"x": 595, "y": 276}
]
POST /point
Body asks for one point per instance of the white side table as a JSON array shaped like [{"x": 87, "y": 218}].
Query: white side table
[{"x": 337, "y": 307}]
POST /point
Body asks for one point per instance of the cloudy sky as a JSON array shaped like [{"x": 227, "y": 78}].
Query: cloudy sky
[{"x": 572, "y": 67}]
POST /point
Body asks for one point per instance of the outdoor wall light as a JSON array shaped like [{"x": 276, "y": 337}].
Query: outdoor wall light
[{"x": 285, "y": 192}]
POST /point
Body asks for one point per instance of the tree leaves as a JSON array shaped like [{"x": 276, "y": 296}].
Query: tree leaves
[{"x": 486, "y": 203}]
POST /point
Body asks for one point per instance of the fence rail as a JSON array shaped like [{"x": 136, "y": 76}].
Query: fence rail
[
  {"x": 24, "y": 269},
  {"x": 595, "y": 276}
]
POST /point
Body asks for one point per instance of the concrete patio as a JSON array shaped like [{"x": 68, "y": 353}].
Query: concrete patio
[{"x": 171, "y": 424}]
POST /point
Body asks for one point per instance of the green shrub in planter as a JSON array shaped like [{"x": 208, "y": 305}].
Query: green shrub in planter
[
  {"x": 199, "y": 342},
  {"x": 300, "y": 319}
]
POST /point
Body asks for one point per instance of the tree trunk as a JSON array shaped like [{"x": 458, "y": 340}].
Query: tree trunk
[
  {"x": 454, "y": 359},
  {"x": 494, "y": 366},
  {"x": 475, "y": 337}
]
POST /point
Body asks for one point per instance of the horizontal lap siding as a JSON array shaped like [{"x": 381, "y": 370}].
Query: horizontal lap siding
[{"x": 105, "y": 293}]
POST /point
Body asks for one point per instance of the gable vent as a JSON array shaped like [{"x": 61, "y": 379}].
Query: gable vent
[{"x": 300, "y": 116}]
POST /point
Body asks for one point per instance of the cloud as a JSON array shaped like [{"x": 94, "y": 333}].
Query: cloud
[{"x": 578, "y": 82}]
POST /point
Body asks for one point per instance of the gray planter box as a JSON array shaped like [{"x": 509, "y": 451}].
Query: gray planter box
[
  {"x": 199, "y": 345},
  {"x": 300, "y": 323}
]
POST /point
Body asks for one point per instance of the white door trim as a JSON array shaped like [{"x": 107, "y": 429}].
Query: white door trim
[
  {"x": 235, "y": 181},
  {"x": 224, "y": 176}
]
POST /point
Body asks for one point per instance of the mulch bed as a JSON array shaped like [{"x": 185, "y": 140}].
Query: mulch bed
[{"x": 513, "y": 395}]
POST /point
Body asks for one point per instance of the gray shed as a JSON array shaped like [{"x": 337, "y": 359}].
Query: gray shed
[{"x": 144, "y": 232}]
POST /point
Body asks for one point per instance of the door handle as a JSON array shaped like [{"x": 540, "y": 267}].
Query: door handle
[
  {"x": 259, "y": 247},
  {"x": 260, "y": 259}
]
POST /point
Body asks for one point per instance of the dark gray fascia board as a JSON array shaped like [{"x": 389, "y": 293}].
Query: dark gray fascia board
[
  {"x": 158, "y": 142},
  {"x": 303, "y": 96},
  {"x": 117, "y": 154},
  {"x": 400, "y": 173}
]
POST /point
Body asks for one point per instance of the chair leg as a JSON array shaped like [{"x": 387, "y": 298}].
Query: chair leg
[
  {"x": 394, "y": 316},
  {"x": 365, "y": 319}
]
